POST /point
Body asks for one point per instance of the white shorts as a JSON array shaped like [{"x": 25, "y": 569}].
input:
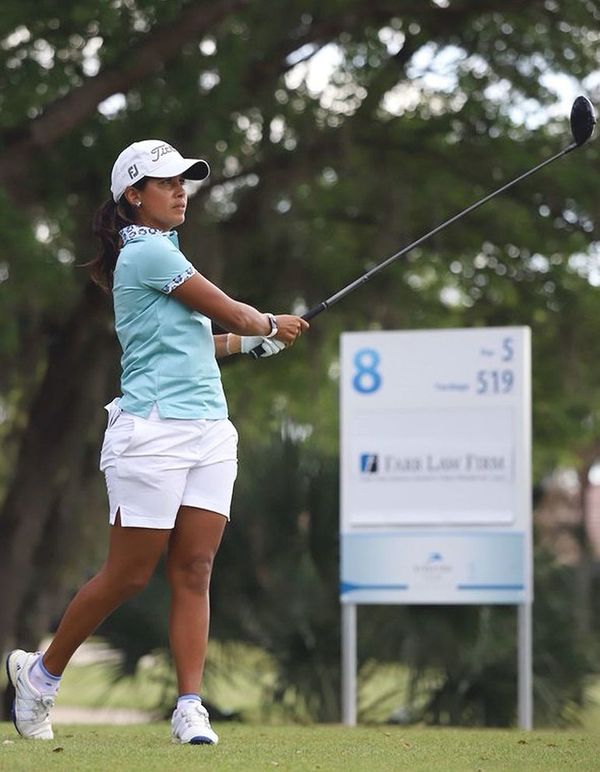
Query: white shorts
[{"x": 155, "y": 465}]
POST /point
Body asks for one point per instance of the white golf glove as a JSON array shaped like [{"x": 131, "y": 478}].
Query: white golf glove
[{"x": 270, "y": 345}]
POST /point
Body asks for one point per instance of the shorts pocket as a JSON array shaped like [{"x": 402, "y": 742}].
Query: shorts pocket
[
  {"x": 113, "y": 410},
  {"x": 117, "y": 438}
]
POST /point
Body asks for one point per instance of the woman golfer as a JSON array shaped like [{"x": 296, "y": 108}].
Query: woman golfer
[{"x": 169, "y": 452}]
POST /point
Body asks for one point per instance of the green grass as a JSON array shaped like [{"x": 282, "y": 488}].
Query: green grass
[{"x": 242, "y": 747}]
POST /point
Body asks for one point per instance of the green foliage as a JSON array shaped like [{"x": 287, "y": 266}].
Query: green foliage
[{"x": 428, "y": 107}]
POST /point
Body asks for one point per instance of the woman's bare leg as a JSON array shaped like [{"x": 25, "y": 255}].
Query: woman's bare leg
[
  {"x": 132, "y": 557},
  {"x": 192, "y": 548}
]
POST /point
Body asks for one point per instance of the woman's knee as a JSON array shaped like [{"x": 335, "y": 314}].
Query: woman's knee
[
  {"x": 127, "y": 583},
  {"x": 134, "y": 584},
  {"x": 192, "y": 573}
]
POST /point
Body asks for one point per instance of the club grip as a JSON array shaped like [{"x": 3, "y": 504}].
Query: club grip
[{"x": 314, "y": 311}]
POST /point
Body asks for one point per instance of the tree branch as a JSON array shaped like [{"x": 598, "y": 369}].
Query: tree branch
[{"x": 65, "y": 114}]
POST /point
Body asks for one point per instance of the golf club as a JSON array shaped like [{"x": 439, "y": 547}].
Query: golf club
[{"x": 583, "y": 120}]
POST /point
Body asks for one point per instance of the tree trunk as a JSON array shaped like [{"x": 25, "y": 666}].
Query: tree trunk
[{"x": 41, "y": 518}]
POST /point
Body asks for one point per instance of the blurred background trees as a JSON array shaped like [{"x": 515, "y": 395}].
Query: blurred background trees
[{"x": 337, "y": 132}]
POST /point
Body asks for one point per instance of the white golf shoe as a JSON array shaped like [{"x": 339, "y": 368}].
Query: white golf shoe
[
  {"x": 190, "y": 724},
  {"x": 31, "y": 708}
]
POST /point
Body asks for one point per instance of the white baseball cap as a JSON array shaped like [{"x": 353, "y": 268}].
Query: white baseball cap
[{"x": 153, "y": 158}]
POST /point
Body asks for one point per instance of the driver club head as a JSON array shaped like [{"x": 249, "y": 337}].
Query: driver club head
[{"x": 583, "y": 120}]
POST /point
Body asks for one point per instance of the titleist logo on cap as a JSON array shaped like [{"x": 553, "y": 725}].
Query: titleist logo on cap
[{"x": 159, "y": 151}]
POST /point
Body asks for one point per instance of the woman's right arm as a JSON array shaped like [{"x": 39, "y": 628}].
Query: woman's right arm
[{"x": 200, "y": 294}]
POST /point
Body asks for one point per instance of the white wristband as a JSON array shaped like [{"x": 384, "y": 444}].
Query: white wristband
[
  {"x": 227, "y": 349},
  {"x": 273, "y": 323}
]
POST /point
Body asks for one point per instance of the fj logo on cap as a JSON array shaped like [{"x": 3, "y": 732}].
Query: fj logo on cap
[
  {"x": 160, "y": 150},
  {"x": 133, "y": 172}
]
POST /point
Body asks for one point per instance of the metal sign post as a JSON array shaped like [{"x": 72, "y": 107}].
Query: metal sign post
[{"x": 349, "y": 655}]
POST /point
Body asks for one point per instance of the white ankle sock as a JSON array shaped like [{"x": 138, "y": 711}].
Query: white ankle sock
[
  {"x": 41, "y": 679},
  {"x": 188, "y": 698}
]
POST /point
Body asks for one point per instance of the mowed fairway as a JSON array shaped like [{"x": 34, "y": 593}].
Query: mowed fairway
[{"x": 147, "y": 747}]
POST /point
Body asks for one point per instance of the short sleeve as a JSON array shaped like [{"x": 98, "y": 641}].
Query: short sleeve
[{"x": 161, "y": 266}]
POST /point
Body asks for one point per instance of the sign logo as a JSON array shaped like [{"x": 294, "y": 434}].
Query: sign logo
[
  {"x": 133, "y": 172},
  {"x": 435, "y": 557},
  {"x": 369, "y": 463},
  {"x": 432, "y": 570}
]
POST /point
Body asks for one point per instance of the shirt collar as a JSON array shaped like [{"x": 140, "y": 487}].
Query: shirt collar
[{"x": 131, "y": 232}]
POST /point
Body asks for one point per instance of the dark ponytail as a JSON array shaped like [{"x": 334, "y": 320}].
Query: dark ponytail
[{"x": 107, "y": 222}]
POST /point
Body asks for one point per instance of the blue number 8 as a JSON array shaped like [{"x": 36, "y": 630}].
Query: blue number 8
[{"x": 367, "y": 379}]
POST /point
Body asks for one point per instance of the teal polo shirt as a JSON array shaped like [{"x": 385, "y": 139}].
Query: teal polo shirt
[{"x": 168, "y": 350}]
